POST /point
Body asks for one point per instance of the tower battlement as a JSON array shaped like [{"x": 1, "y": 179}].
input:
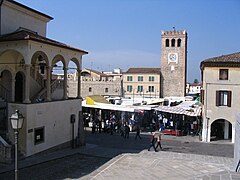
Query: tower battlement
[{"x": 174, "y": 32}]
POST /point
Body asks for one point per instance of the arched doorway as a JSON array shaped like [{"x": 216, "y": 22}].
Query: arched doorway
[
  {"x": 221, "y": 129},
  {"x": 19, "y": 87},
  {"x": 5, "y": 96}
]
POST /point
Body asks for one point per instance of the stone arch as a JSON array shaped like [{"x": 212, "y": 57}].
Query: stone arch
[
  {"x": 5, "y": 86},
  {"x": 221, "y": 129},
  {"x": 173, "y": 43},
  {"x": 39, "y": 62},
  {"x": 20, "y": 79},
  {"x": 179, "y": 43},
  {"x": 11, "y": 57},
  {"x": 167, "y": 43},
  {"x": 73, "y": 81}
]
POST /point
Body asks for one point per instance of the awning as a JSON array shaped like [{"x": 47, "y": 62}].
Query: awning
[{"x": 179, "y": 110}]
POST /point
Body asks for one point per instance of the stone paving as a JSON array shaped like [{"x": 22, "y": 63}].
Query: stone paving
[{"x": 112, "y": 157}]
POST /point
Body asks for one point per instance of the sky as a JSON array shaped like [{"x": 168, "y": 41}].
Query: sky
[{"x": 127, "y": 33}]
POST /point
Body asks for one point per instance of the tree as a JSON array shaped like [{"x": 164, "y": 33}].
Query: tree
[{"x": 196, "y": 81}]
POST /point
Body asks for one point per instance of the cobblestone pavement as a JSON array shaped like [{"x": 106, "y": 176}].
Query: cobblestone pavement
[{"x": 111, "y": 157}]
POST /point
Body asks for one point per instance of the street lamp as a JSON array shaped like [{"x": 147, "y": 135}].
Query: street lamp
[{"x": 17, "y": 122}]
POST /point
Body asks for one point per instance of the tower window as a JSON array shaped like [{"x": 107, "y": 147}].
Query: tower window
[
  {"x": 173, "y": 42},
  {"x": 179, "y": 43},
  {"x": 89, "y": 89},
  {"x": 106, "y": 90},
  {"x": 167, "y": 42}
]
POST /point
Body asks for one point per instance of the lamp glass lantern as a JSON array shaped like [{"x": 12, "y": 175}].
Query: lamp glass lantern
[{"x": 17, "y": 120}]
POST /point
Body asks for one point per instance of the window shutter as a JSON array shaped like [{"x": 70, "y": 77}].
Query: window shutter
[
  {"x": 229, "y": 100},
  {"x": 202, "y": 95},
  {"x": 217, "y": 98}
]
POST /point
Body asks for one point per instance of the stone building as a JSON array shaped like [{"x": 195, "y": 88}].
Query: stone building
[
  {"x": 27, "y": 61},
  {"x": 142, "y": 83},
  {"x": 220, "y": 96},
  {"x": 173, "y": 63},
  {"x": 100, "y": 83}
]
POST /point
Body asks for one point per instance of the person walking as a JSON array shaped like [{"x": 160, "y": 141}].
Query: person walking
[
  {"x": 159, "y": 138},
  {"x": 137, "y": 132},
  {"x": 152, "y": 142}
]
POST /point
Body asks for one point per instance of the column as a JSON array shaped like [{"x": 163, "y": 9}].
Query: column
[
  {"x": 79, "y": 84},
  {"x": 27, "y": 84},
  {"x": 48, "y": 83},
  {"x": 13, "y": 90},
  {"x": 226, "y": 129},
  {"x": 65, "y": 84}
]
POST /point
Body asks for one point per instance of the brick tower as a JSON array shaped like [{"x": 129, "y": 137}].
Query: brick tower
[{"x": 174, "y": 63}]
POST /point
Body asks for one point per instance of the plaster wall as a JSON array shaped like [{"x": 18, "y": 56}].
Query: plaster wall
[
  {"x": 53, "y": 116},
  {"x": 14, "y": 17},
  {"x": 211, "y": 84}
]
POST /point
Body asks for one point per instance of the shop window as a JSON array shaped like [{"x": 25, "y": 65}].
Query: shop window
[
  {"x": 223, "y": 74},
  {"x": 223, "y": 98},
  {"x": 39, "y": 135}
]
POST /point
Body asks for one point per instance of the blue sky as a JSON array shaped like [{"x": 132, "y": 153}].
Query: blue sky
[{"x": 127, "y": 33}]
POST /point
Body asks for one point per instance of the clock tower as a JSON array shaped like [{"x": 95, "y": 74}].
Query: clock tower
[{"x": 173, "y": 63}]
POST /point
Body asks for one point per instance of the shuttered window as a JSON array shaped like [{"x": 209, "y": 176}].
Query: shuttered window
[{"x": 223, "y": 98}]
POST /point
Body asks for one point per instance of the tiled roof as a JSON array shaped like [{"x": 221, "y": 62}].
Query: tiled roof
[
  {"x": 97, "y": 72},
  {"x": 229, "y": 60},
  {"x": 144, "y": 70},
  {"x": 24, "y": 34}
]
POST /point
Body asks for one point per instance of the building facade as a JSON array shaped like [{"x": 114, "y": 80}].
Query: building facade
[
  {"x": 100, "y": 83},
  {"x": 142, "y": 83},
  {"x": 27, "y": 62},
  {"x": 220, "y": 96},
  {"x": 173, "y": 63}
]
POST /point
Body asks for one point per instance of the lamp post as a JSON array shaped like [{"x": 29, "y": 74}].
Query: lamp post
[{"x": 17, "y": 122}]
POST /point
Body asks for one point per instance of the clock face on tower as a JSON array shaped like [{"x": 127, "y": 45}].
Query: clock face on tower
[{"x": 172, "y": 57}]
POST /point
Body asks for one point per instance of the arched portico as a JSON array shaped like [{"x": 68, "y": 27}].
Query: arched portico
[{"x": 221, "y": 129}]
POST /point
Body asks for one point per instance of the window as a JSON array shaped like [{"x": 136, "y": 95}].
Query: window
[
  {"x": 223, "y": 74},
  {"x": 140, "y": 89},
  {"x": 167, "y": 42},
  {"x": 223, "y": 98},
  {"x": 173, "y": 42},
  {"x": 151, "y": 78},
  {"x": 129, "y": 88},
  {"x": 89, "y": 89},
  {"x": 140, "y": 78},
  {"x": 39, "y": 135},
  {"x": 106, "y": 90},
  {"x": 179, "y": 43},
  {"x": 150, "y": 88},
  {"x": 129, "y": 78}
]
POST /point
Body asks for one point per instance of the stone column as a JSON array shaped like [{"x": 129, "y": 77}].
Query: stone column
[
  {"x": 48, "y": 83},
  {"x": 65, "y": 84},
  {"x": 13, "y": 90},
  {"x": 79, "y": 84},
  {"x": 27, "y": 84},
  {"x": 226, "y": 129}
]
